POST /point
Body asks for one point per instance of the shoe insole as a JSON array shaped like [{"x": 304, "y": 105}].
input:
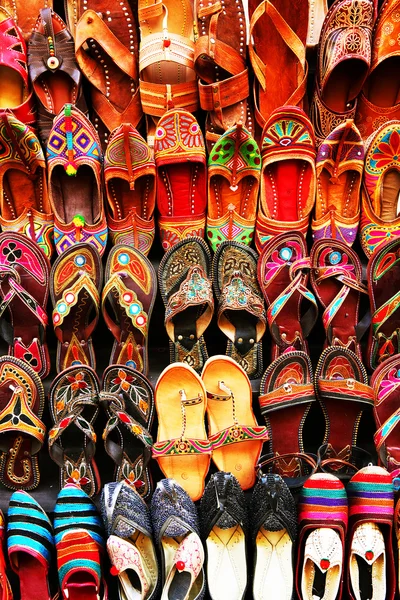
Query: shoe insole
[
  {"x": 19, "y": 191},
  {"x": 287, "y": 189},
  {"x": 80, "y": 587},
  {"x": 75, "y": 195},
  {"x": 226, "y": 563},
  {"x": 128, "y": 333},
  {"x": 137, "y": 200},
  {"x": 274, "y": 565},
  {"x": 383, "y": 84},
  {"x": 390, "y": 196},
  {"x": 73, "y": 329},
  {"x": 32, "y": 578},
  {"x": 341, "y": 196},
  {"x": 178, "y": 190},
  {"x": 222, "y": 196},
  {"x": 343, "y": 84},
  {"x": 185, "y": 325},
  {"x": 11, "y": 89}
]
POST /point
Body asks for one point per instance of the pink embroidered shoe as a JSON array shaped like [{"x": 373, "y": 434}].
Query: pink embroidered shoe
[{"x": 186, "y": 568}]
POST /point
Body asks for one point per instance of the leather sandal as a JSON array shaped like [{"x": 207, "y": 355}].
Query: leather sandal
[
  {"x": 235, "y": 437},
  {"x": 166, "y": 60},
  {"x": 55, "y": 75},
  {"x": 130, "y": 289},
  {"x": 233, "y": 173},
  {"x": 128, "y": 399},
  {"x": 339, "y": 167},
  {"x": 288, "y": 180},
  {"x": 286, "y": 396},
  {"x": 21, "y": 426},
  {"x": 106, "y": 49},
  {"x": 380, "y": 218},
  {"x": 24, "y": 291},
  {"x": 182, "y": 449},
  {"x": 76, "y": 279},
  {"x": 15, "y": 92},
  {"x": 341, "y": 380},
  {"x": 186, "y": 289},
  {"x": 75, "y": 164},
  {"x": 180, "y": 157},
  {"x": 282, "y": 273},
  {"x": 383, "y": 273},
  {"x": 336, "y": 278},
  {"x": 24, "y": 201},
  {"x": 220, "y": 63},
  {"x": 277, "y": 52},
  {"x": 25, "y": 13},
  {"x": 379, "y": 100},
  {"x": 130, "y": 182},
  {"x": 343, "y": 61}
]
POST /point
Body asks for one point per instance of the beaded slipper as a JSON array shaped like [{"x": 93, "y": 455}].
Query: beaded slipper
[
  {"x": 76, "y": 279},
  {"x": 233, "y": 181},
  {"x": 24, "y": 291},
  {"x": 241, "y": 313},
  {"x": 186, "y": 289},
  {"x": 21, "y": 426},
  {"x": 128, "y": 398},
  {"x": 74, "y": 161},
  {"x": 235, "y": 437},
  {"x": 30, "y": 546},
  {"x": 73, "y": 400},
  {"x": 180, "y": 157},
  {"x": 182, "y": 450},
  {"x": 130, "y": 182},
  {"x": 130, "y": 288},
  {"x": 24, "y": 201}
]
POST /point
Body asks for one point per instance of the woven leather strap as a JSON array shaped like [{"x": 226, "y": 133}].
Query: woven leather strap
[{"x": 157, "y": 98}]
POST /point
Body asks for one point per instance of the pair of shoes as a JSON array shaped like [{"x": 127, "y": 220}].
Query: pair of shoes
[
  {"x": 327, "y": 516},
  {"x": 126, "y": 302},
  {"x": 183, "y": 449},
  {"x": 77, "y": 538},
  {"x": 127, "y": 397},
  {"x": 186, "y": 276}
]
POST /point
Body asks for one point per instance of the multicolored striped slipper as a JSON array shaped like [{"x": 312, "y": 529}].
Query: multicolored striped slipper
[
  {"x": 323, "y": 516},
  {"x": 370, "y": 553},
  {"x": 30, "y": 545},
  {"x": 79, "y": 540}
]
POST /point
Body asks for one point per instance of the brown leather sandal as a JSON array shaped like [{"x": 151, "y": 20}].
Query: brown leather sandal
[
  {"x": 220, "y": 63},
  {"x": 25, "y": 13}
]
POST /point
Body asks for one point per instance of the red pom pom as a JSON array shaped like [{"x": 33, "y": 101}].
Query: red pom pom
[
  {"x": 166, "y": 43},
  {"x": 114, "y": 570},
  {"x": 369, "y": 555},
  {"x": 180, "y": 565},
  {"x": 324, "y": 564}
]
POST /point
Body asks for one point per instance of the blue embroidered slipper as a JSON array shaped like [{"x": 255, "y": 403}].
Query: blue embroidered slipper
[{"x": 30, "y": 545}]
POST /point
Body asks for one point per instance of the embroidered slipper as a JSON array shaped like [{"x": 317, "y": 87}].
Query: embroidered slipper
[
  {"x": 336, "y": 278},
  {"x": 30, "y": 546},
  {"x": 78, "y": 533},
  {"x": 130, "y": 543},
  {"x": 233, "y": 181},
  {"x": 273, "y": 517},
  {"x": 184, "y": 280},
  {"x": 341, "y": 380},
  {"x": 339, "y": 167},
  {"x": 241, "y": 313},
  {"x": 16, "y": 96},
  {"x": 224, "y": 524},
  {"x": 220, "y": 63},
  {"x": 130, "y": 290},
  {"x": 176, "y": 529},
  {"x": 24, "y": 201},
  {"x": 21, "y": 409},
  {"x": 277, "y": 52},
  {"x": 235, "y": 437},
  {"x": 128, "y": 398},
  {"x": 73, "y": 400},
  {"x": 24, "y": 290},
  {"x": 370, "y": 548},
  {"x": 5, "y": 587},
  {"x": 53, "y": 70},
  {"x": 282, "y": 272},
  {"x": 288, "y": 180},
  {"x": 383, "y": 278},
  {"x": 76, "y": 280},
  {"x": 180, "y": 158},
  {"x": 25, "y": 13},
  {"x": 286, "y": 396},
  {"x": 323, "y": 517},
  {"x": 380, "y": 214},
  {"x": 130, "y": 182},
  {"x": 74, "y": 161},
  {"x": 342, "y": 65},
  {"x": 166, "y": 60},
  {"x": 182, "y": 449}
]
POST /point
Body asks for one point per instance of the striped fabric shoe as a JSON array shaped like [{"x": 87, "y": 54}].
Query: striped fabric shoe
[
  {"x": 370, "y": 553},
  {"x": 79, "y": 542},
  {"x": 323, "y": 515},
  {"x": 30, "y": 545}
]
